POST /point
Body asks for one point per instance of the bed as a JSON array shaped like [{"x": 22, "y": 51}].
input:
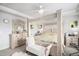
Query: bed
[
  {"x": 47, "y": 36},
  {"x": 45, "y": 39}
]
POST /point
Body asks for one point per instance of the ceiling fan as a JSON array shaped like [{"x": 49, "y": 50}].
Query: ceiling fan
[{"x": 40, "y": 10}]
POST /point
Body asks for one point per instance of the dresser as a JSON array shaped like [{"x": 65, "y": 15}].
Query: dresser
[
  {"x": 71, "y": 38},
  {"x": 17, "y": 39}
]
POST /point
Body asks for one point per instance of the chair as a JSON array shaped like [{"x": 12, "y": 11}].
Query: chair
[{"x": 37, "y": 49}]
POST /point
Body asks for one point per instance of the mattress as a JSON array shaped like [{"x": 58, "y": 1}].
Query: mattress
[{"x": 48, "y": 37}]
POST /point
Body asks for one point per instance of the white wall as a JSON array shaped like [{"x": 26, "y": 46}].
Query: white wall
[
  {"x": 67, "y": 21},
  {"x": 5, "y": 29}
]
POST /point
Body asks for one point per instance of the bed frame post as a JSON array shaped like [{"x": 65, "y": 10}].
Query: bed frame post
[
  {"x": 27, "y": 27},
  {"x": 60, "y": 35}
]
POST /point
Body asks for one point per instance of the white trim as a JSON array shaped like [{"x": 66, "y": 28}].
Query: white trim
[
  {"x": 72, "y": 12},
  {"x": 68, "y": 13},
  {"x": 11, "y": 11}
]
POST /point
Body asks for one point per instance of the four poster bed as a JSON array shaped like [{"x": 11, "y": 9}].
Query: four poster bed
[{"x": 48, "y": 37}]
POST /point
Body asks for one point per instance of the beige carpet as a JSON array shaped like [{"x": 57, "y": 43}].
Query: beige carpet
[
  {"x": 19, "y": 51},
  {"x": 20, "y": 54}
]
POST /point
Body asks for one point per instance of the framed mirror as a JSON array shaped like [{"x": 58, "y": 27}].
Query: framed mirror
[{"x": 74, "y": 24}]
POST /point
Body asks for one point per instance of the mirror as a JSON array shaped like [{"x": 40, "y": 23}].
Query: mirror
[{"x": 74, "y": 24}]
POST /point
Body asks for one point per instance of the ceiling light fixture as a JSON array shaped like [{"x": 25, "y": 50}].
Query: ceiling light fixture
[
  {"x": 41, "y": 6},
  {"x": 41, "y": 10}
]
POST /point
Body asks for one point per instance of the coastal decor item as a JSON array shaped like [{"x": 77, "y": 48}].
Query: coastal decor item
[
  {"x": 74, "y": 24},
  {"x": 5, "y": 21}
]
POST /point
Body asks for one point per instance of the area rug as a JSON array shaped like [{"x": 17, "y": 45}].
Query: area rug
[{"x": 20, "y": 54}]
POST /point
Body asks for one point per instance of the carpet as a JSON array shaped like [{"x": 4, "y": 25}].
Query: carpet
[{"x": 20, "y": 54}]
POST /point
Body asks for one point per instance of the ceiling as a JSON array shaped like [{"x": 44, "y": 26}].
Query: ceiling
[{"x": 30, "y": 9}]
